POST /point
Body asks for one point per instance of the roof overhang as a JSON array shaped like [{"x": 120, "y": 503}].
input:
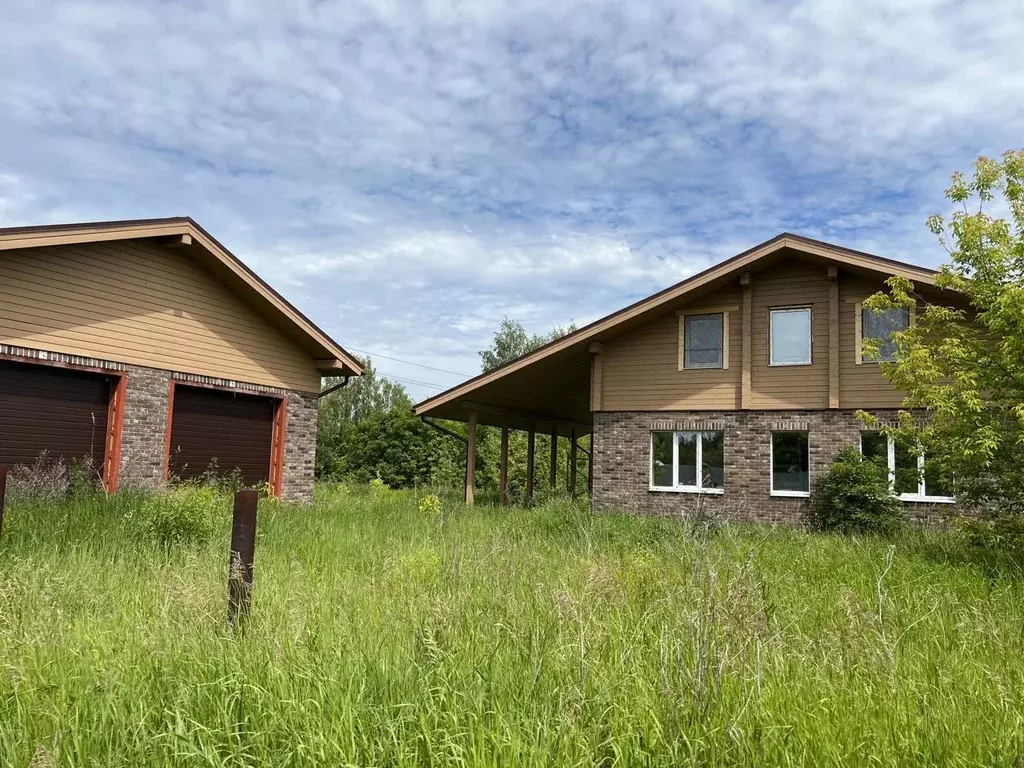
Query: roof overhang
[
  {"x": 551, "y": 385},
  {"x": 184, "y": 233}
]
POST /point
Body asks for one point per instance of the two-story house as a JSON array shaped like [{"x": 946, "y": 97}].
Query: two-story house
[{"x": 734, "y": 389}]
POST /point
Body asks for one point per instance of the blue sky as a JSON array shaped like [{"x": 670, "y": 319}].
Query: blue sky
[{"x": 410, "y": 173}]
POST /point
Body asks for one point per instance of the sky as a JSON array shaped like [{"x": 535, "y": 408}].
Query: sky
[{"x": 408, "y": 174}]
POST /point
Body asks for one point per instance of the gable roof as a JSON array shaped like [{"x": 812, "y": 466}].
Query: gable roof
[
  {"x": 330, "y": 358},
  {"x": 441, "y": 404}
]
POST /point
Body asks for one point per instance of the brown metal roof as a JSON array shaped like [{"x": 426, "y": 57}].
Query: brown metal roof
[
  {"x": 330, "y": 356},
  {"x": 551, "y": 385}
]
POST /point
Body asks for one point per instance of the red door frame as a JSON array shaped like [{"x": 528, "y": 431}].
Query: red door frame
[
  {"x": 276, "y": 475},
  {"x": 115, "y": 413}
]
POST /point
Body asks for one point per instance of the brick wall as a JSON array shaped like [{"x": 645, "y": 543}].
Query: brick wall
[
  {"x": 147, "y": 403},
  {"x": 300, "y": 447},
  {"x": 622, "y": 456},
  {"x": 144, "y": 434}
]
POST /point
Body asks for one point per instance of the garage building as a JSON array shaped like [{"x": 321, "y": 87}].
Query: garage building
[{"x": 145, "y": 350}]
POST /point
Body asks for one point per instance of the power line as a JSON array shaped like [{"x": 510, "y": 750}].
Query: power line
[
  {"x": 409, "y": 362},
  {"x": 410, "y": 381}
]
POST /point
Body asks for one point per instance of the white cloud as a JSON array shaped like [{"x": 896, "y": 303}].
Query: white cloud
[{"x": 410, "y": 172}]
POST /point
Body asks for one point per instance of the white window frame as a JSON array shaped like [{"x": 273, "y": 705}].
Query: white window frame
[
  {"x": 771, "y": 466},
  {"x": 810, "y": 335},
  {"x": 724, "y": 312},
  {"x": 920, "y": 496},
  {"x": 676, "y": 487},
  {"x": 858, "y": 329}
]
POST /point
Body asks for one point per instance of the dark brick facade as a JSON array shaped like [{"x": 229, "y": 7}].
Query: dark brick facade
[{"x": 622, "y": 457}]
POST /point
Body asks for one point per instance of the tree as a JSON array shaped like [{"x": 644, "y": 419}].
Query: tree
[
  {"x": 352, "y": 417},
  {"x": 511, "y": 341},
  {"x": 965, "y": 363}
]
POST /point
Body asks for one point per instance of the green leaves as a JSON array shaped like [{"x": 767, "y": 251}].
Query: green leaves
[{"x": 963, "y": 359}]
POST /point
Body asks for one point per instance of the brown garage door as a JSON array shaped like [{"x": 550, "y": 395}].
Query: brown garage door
[
  {"x": 63, "y": 412},
  {"x": 235, "y": 429}
]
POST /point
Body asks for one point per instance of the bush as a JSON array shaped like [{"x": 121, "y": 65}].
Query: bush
[
  {"x": 855, "y": 497},
  {"x": 994, "y": 531},
  {"x": 185, "y": 515}
]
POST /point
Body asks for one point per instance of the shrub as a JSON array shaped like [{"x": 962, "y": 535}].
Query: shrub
[
  {"x": 185, "y": 515},
  {"x": 994, "y": 531},
  {"x": 855, "y": 497}
]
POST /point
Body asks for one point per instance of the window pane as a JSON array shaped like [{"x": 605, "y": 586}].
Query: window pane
[
  {"x": 713, "y": 459},
  {"x": 661, "y": 459},
  {"x": 702, "y": 340},
  {"x": 882, "y": 326},
  {"x": 790, "y": 336},
  {"x": 687, "y": 458},
  {"x": 934, "y": 485},
  {"x": 790, "y": 461},
  {"x": 907, "y": 475},
  {"x": 875, "y": 446}
]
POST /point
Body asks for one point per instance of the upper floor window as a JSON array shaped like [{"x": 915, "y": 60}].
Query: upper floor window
[
  {"x": 704, "y": 341},
  {"x": 912, "y": 476},
  {"x": 882, "y": 326},
  {"x": 789, "y": 334},
  {"x": 688, "y": 461}
]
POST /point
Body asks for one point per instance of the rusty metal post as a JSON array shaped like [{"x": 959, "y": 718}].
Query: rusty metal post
[
  {"x": 243, "y": 551},
  {"x": 3, "y": 494}
]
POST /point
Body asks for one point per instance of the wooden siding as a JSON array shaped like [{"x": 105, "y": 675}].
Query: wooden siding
[
  {"x": 862, "y": 386},
  {"x": 640, "y": 370},
  {"x": 789, "y": 284},
  {"x": 146, "y": 305}
]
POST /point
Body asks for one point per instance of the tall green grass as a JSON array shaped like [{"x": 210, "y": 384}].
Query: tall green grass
[{"x": 383, "y": 635}]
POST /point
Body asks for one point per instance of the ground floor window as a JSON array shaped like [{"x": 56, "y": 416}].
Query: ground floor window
[
  {"x": 791, "y": 454},
  {"x": 913, "y": 477},
  {"x": 688, "y": 461}
]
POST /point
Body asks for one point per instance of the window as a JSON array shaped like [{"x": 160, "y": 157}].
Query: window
[
  {"x": 688, "y": 461},
  {"x": 790, "y": 336},
  {"x": 913, "y": 477},
  {"x": 882, "y": 325},
  {"x": 790, "y": 464},
  {"x": 704, "y": 341}
]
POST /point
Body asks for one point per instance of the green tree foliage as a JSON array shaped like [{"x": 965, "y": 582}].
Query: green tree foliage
[
  {"x": 965, "y": 363},
  {"x": 854, "y": 496},
  {"x": 367, "y": 430},
  {"x": 511, "y": 341}
]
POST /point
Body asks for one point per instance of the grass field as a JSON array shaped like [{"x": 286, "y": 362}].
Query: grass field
[{"x": 542, "y": 637}]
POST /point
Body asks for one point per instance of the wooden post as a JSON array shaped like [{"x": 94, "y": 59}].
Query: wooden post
[
  {"x": 531, "y": 454},
  {"x": 746, "y": 389},
  {"x": 243, "y": 551},
  {"x": 554, "y": 456},
  {"x": 471, "y": 459},
  {"x": 503, "y": 469},
  {"x": 572, "y": 465},
  {"x": 833, "y": 337},
  {"x": 3, "y": 495}
]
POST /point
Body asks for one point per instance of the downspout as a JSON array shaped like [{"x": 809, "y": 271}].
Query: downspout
[{"x": 335, "y": 388}]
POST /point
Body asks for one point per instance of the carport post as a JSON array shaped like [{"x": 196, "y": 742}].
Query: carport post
[
  {"x": 471, "y": 458},
  {"x": 572, "y": 465},
  {"x": 554, "y": 455},
  {"x": 3, "y": 494},
  {"x": 503, "y": 469},
  {"x": 531, "y": 453},
  {"x": 243, "y": 551}
]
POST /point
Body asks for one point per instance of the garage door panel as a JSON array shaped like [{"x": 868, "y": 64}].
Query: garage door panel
[
  {"x": 233, "y": 428},
  {"x": 60, "y": 411}
]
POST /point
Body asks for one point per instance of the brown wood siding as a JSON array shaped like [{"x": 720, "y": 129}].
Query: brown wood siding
[
  {"x": 640, "y": 369},
  {"x": 790, "y": 284},
  {"x": 860, "y": 386},
  {"x": 143, "y": 304},
  {"x": 235, "y": 429},
  {"x": 56, "y": 410}
]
